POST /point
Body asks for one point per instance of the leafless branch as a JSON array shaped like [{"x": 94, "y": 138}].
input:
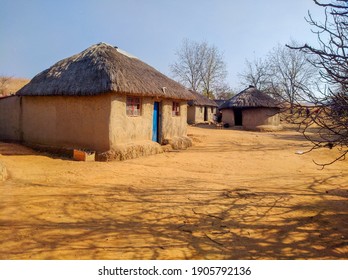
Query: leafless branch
[
  {"x": 200, "y": 67},
  {"x": 326, "y": 122}
]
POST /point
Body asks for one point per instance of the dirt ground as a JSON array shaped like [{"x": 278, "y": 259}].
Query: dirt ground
[{"x": 233, "y": 195}]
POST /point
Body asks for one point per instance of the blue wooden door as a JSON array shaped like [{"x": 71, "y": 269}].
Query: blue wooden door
[{"x": 155, "y": 122}]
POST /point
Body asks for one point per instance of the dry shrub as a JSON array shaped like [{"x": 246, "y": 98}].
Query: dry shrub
[
  {"x": 130, "y": 150},
  {"x": 143, "y": 148},
  {"x": 180, "y": 143},
  {"x": 3, "y": 172}
]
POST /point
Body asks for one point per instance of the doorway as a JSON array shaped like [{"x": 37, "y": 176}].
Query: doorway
[
  {"x": 238, "y": 117},
  {"x": 205, "y": 113}
]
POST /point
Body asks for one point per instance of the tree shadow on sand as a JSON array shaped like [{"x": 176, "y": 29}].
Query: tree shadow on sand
[{"x": 177, "y": 220}]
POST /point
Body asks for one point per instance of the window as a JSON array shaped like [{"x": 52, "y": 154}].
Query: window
[
  {"x": 176, "y": 109},
  {"x": 133, "y": 106}
]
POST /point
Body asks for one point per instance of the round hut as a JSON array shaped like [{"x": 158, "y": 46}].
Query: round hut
[
  {"x": 253, "y": 110},
  {"x": 104, "y": 100}
]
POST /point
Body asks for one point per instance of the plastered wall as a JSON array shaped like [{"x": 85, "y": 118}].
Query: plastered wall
[
  {"x": 92, "y": 122},
  {"x": 191, "y": 114},
  {"x": 195, "y": 114},
  {"x": 70, "y": 122},
  {"x": 228, "y": 116},
  {"x": 10, "y": 126},
  {"x": 125, "y": 128},
  {"x": 260, "y": 116},
  {"x": 173, "y": 126}
]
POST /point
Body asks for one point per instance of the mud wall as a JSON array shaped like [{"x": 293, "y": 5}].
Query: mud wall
[
  {"x": 173, "y": 126},
  {"x": 10, "y": 112},
  {"x": 252, "y": 118},
  {"x": 195, "y": 114},
  {"x": 68, "y": 122},
  {"x": 125, "y": 128},
  {"x": 228, "y": 116},
  {"x": 191, "y": 114},
  {"x": 97, "y": 123},
  {"x": 211, "y": 111}
]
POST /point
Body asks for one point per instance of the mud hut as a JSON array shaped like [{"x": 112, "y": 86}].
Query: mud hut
[
  {"x": 201, "y": 109},
  {"x": 105, "y": 100},
  {"x": 252, "y": 109}
]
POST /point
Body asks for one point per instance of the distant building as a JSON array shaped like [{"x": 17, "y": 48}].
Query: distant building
[
  {"x": 252, "y": 109},
  {"x": 201, "y": 109}
]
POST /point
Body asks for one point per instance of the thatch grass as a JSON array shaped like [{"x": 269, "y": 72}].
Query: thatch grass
[
  {"x": 250, "y": 98},
  {"x": 130, "y": 151},
  {"x": 143, "y": 148},
  {"x": 180, "y": 143},
  {"x": 103, "y": 68},
  {"x": 3, "y": 172},
  {"x": 201, "y": 100}
]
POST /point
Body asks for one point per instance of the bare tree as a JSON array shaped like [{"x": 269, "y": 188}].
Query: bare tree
[
  {"x": 187, "y": 69},
  {"x": 256, "y": 74},
  {"x": 224, "y": 92},
  {"x": 330, "y": 57},
  {"x": 200, "y": 67},
  {"x": 213, "y": 70},
  {"x": 284, "y": 73},
  {"x": 291, "y": 74}
]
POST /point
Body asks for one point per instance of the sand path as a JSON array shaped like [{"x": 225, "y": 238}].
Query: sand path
[{"x": 233, "y": 195}]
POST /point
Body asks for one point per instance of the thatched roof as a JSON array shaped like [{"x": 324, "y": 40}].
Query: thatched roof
[
  {"x": 250, "y": 98},
  {"x": 100, "y": 69},
  {"x": 201, "y": 100},
  {"x": 219, "y": 102}
]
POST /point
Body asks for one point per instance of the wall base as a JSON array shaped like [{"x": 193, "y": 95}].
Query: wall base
[{"x": 130, "y": 150}]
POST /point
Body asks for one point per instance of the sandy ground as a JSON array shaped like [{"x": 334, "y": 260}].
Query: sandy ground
[{"x": 233, "y": 195}]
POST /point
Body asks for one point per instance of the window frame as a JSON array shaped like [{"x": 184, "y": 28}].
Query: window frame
[
  {"x": 175, "y": 109},
  {"x": 133, "y": 106}
]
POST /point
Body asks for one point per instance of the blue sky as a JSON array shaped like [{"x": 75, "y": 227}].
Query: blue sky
[{"x": 35, "y": 34}]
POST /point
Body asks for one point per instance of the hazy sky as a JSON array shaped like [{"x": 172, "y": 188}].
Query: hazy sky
[{"x": 35, "y": 34}]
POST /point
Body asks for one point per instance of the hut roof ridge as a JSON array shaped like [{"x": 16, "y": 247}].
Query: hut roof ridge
[
  {"x": 103, "y": 68},
  {"x": 250, "y": 97},
  {"x": 201, "y": 100}
]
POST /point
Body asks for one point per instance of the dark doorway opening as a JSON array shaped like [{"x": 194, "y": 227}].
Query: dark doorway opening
[
  {"x": 238, "y": 117},
  {"x": 205, "y": 114}
]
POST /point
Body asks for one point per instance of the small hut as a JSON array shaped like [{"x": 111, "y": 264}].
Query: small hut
[
  {"x": 252, "y": 109},
  {"x": 106, "y": 100},
  {"x": 201, "y": 109}
]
